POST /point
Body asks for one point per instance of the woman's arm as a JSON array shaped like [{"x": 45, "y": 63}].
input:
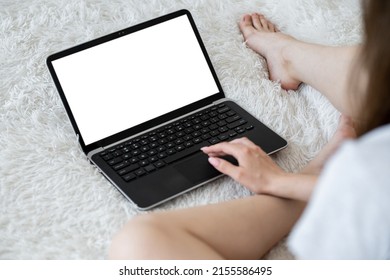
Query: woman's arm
[
  {"x": 293, "y": 185},
  {"x": 257, "y": 172}
]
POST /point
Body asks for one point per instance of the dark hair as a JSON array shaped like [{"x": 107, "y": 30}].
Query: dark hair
[{"x": 375, "y": 58}]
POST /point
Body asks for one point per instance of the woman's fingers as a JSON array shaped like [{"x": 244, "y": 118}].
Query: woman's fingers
[
  {"x": 232, "y": 148},
  {"x": 255, "y": 167},
  {"x": 224, "y": 148},
  {"x": 225, "y": 167}
]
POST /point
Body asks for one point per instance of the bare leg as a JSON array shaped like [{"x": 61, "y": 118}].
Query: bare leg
[
  {"x": 239, "y": 229},
  {"x": 345, "y": 130},
  {"x": 325, "y": 68}
]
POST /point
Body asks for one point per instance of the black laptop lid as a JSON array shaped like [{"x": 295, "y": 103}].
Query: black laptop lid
[{"x": 131, "y": 80}]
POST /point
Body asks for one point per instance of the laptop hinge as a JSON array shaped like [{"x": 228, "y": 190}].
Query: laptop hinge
[{"x": 95, "y": 151}]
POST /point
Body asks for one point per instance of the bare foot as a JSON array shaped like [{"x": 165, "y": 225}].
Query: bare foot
[
  {"x": 264, "y": 38},
  {"x": 345, "y": 130}
]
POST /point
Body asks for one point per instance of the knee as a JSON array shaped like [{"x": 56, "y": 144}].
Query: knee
[{"x": 141, "y": 238}]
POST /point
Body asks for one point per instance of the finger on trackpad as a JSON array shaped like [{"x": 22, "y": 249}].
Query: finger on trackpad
[{"x": 197, "y": 168}]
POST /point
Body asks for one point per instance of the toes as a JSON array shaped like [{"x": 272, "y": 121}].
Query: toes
[
  {"x": 264, "y": 22},
  {"x": 257, "y": 22},
  {"x": 271, "y": 27},
  {"x": 246, "y": 25},
  {"x": 261, "y": 23},
  {"x": 246, "y": 21}
]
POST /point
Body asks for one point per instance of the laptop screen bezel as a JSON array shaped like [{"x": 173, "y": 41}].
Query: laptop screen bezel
[{"x": 148, "y": 124}]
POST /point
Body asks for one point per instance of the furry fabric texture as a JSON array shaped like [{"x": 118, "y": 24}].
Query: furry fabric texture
[{"x": 53, "y": 203}]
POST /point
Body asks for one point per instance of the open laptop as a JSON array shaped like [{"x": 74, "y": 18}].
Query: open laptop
[{"x": 144, "y": 100}]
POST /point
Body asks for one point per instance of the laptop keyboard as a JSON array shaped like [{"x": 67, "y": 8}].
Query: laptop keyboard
[{"x": 163, "y": 146}]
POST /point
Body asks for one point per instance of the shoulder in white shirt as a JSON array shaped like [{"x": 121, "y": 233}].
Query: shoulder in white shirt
[{"x": 348, "y": 216}]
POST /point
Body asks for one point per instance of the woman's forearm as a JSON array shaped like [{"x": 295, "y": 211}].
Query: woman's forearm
[{"x": 293, "y": 186}]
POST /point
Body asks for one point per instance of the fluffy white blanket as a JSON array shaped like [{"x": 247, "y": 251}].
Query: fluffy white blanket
[{"x": 53, "y": 203}]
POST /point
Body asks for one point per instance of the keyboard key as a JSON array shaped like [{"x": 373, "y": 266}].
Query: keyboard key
[
  {"x": 231, "y": 113},
  {"x": 223, "y": 137},
  {"x": 142, "y": 156},
  {"x": 162, "y": 155},
  {"x": 126, "y": 156},
  {"x": 140, "y": 172},
  {"x": 144, "y": 149},
  {"x": 196, "y": 134},
  {"x": 223, "y": 129},
  {"x": 129, "y": 177},
  {"x": 150, "y": 168},
  {"x": 153, "y": 159},
  {"x": 222, "y": 116},
  {"x": 115, "y": 161},
  {"x": 180, "y": 148},
  {"x": 213, "y": 127},
  {"x": 206, "y": 136},
  {"x": 232, "y": 119},
  {"x": 188, "y": 144},
  {"x": 129, "y": 169},
  {"x": 197, "y": 127},
  {"x": 153, "y": 145},
  {"x": 221, "y": 123},
  {"x": 232, "y": 134},
  {"x": 133, "y": 160},
  {"x": 180, "y": 134},
  {"x": 135, "y": 146},
  {"x": 121, "y": 165},
  {"x": 197, "y": 140},
  {"x": 214, "y": 133},
  {"x": 236, "y": 123},
  {"x": 223, "y": 110},
  {"x": 159, "y": 164},
  {"x": 107, "y": 157}
]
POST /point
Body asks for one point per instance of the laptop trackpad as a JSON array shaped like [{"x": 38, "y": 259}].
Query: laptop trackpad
[{"x": 197, "y": 169}]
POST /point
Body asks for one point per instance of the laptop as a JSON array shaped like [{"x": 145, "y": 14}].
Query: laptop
[{"x": 144, "y": 100}]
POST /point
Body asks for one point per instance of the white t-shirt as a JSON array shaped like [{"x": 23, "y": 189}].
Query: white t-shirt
[{"x": 348, "y": 216}]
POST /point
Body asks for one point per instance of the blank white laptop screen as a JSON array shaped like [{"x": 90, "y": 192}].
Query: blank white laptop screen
[{"x": 135, "y": 78}]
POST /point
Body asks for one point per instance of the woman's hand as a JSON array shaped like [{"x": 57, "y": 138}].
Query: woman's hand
[{"x": 256, "y": 170}]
